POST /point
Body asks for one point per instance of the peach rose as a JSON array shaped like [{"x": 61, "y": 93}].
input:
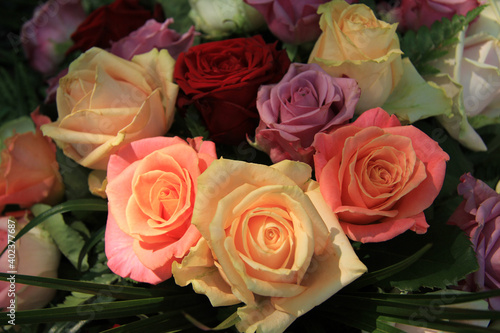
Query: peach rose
[
  {"x": 35, "y": 254},
  {"x": 379, "y": 176},
  {"x": 269, "y": 241},
  {"x": 29, "y": 170},
  {"x": 355, "y": 44},
  {"x": 151, "y": 191},
  {"x": 105, "y": 102}
]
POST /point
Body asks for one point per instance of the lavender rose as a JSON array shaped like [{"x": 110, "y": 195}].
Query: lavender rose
[
  {"x": 46, "y": 36},
  {"x": 479, "y": 216},
  {"x": 153, "y": 35},
  {"x": 292, "y": 21},
  {"x": 306, "y": 101}
]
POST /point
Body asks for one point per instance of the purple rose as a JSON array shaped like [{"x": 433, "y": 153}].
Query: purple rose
[
  {"x": 43, "y": 37},
  {"x": 306, "y": 101},
  {"x": 292, "y": 21},
  {"x": 153, "y": 35},
  {"x": 479, "y": 216}
]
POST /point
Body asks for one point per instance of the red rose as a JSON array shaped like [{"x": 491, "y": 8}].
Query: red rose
[
  {"x": 109, "y": 23},
  {"x": 222, "y": 78}
]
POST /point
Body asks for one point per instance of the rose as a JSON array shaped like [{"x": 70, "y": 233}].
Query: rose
[
  {"x": 153, "y": 35},
  {"x": 151, "y": 191},
  {"x": 379, "y": 176},
  {"x": 470, "y": 75},
  {"x": 412, "y": 14},
  {"x": 105, "y": 102},
  {"x": 293, "y": 22},
  {"x": 479, "y": 217},
  {"x": 306, "y": 101},
  {"x": 220, "y": 18},
  {"x": 22, "y": 181},
  {"x": 269, "y": 240},
  {"x": 487, "y": 22},
  {"x": 109, "y": 23},
  {"x": 35, "y": 254},
  {"x": 222, "y": 79},
  {"x": 44, "y": 36},
  {"x": 357, "y": 45}
]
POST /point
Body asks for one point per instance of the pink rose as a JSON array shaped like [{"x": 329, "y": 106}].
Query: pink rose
[
  {"x": 151, "y": 191},
  {"x": 35, "y": 254},
  {"x": 379, "y": 176},
  {"x": 51, "y": 25},
  {"x": 479, "y": 216},
  {"x": 412, "y": 14},
  {"x": 23, "y": 182},
  {"x": 153, "y": 35},
  {"x": 306, "y": 101},
  {"x": 293, "y": 22}
]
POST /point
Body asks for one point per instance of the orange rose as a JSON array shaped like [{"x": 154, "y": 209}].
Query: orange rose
[
  {"x": 151, "y": 191},
  {"x": 105, "y": 102},
  {"x": 269, "y": 240},
  {"x": 29, "y": 170},
  {"x": 379, "y": 176}
]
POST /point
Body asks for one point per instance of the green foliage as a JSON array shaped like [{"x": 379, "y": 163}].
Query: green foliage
[
  {"x": 20, "y": 90},
  {"x": 70, "y": 205},
  {"x": 195, "y": 124},
  {"x": 67, "y": 239},
  {"x": 74, "y": 177},
  {"x": 449, "y": 260},
  {"x": 179, "y": 10},
  {"x": 426, "y": 44}
]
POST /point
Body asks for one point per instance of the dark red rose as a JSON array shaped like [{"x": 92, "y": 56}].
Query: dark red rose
[
  {"x": 222, "y": 78},
  {"x": 109, "y": 23}
]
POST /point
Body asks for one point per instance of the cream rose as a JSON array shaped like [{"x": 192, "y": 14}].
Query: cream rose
[
  {"x": 354, "y": 43},
  {"x": 269, "y": 241},
  {"x": 470, "y": 76},
  {"x": 105, "y": 102}
]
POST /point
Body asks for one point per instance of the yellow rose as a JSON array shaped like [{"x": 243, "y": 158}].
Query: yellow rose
[
  {"x": 269, "y": 241},
  {"x": 105, "y": 102},
  {"x": 357, "y": 45}
]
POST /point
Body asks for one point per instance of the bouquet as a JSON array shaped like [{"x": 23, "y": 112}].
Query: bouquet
[{"x": 250, "y": 166}]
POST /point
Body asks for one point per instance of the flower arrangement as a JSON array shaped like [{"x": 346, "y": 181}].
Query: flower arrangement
[{"x": 250, "y": 166}]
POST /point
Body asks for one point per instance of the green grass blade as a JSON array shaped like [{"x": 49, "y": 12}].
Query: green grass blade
[
  {"x": 108, "y": 310},
  {"x": 68, "y": 206},
  {"x": 89, "y": 244},
  {"x": 446, "y": 326},
  {"x": 116, "y": 291},
  {"x": 446, "y": 298},
  {"x": 384, "y": 273}
]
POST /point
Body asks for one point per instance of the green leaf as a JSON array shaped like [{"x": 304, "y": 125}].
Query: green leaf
[
  {"x": 108, "y": 310},
  {"x": 384, "y": 273},
  {"x": 68, "y": 206},
  {"x": 426, "y": 45},
  {"x": 450, "y": 259},
  {"x": 116, "y": 291},
  {"x": 89, "y": 244},
  {"x": 166, "y": 322},
  {"x": 195, "y": 124},
  {"x": 179, "y": 11},
  {"x": 74, "y": 175},
  {"x": 67, "y": 239},
  {"x": 446, "y": 326},
  {"x": 447, "y": 297}
]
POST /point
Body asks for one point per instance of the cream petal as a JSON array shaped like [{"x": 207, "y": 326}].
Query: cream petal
[{"x": 198, "y": 269}]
